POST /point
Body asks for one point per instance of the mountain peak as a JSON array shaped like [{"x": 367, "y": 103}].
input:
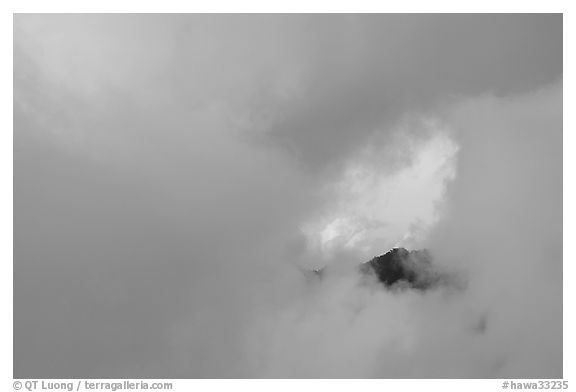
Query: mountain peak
[{"x": 401, "y": 267}]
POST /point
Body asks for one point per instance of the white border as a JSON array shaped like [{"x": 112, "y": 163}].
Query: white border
[
  {"x": 293, "y": 6},
  {"x": 6, "y": 167}
]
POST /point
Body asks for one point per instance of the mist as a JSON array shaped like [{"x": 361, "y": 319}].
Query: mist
[{"x": 177, "y": 176}]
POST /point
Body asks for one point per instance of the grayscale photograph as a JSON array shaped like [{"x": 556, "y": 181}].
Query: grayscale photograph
[{"x": 287, "y": 196}]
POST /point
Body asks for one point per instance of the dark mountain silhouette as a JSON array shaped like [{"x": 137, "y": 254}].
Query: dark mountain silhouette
[{"x": 400, "y": 268}]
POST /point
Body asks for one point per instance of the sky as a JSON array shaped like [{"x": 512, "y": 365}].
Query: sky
[{"x": 175, "y": 175}]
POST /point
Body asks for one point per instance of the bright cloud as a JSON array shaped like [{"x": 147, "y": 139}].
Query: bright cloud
[{"x": 373, "y": 209}]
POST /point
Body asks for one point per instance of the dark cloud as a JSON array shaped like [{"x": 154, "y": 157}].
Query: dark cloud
[{"x": 368, "y": 70}]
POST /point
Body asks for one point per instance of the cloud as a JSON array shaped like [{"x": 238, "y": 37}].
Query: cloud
[
  {"x": 164, "y": 166},
  {"x": 373, "y": 208},
  {"x": 504, "y": 218},
  {"x": 368, "y": 71},
  {"x": 502, "y": 228},
  {"x": 315, "y": 85}
]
